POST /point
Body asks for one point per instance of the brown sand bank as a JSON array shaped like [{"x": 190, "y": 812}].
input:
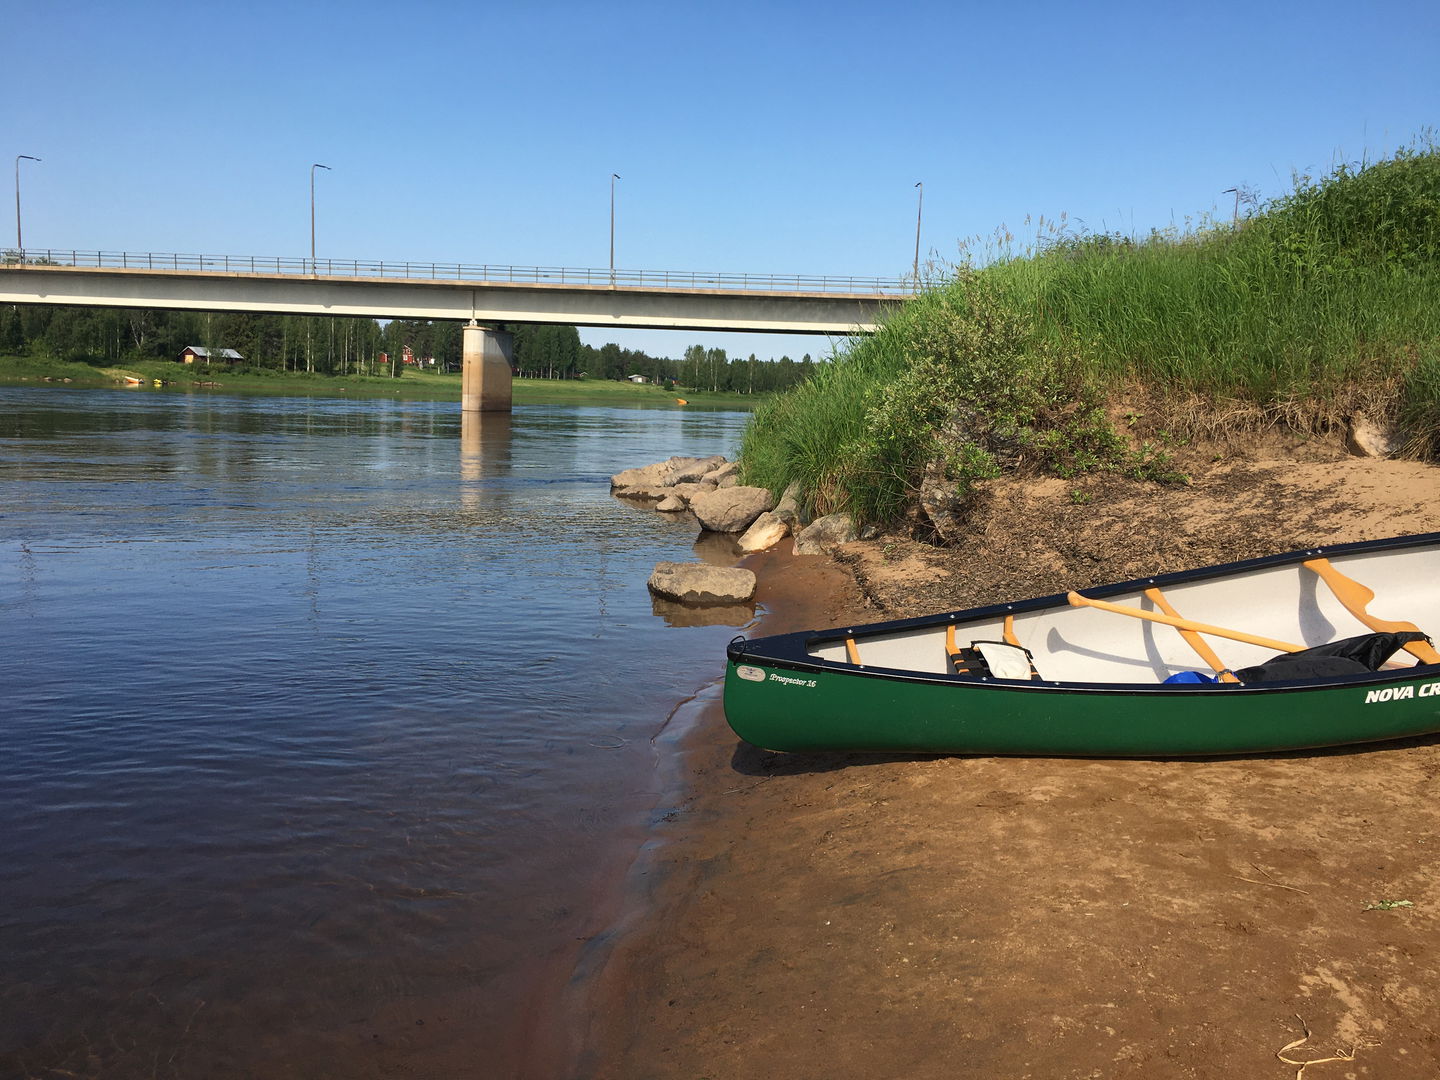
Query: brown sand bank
[{"x": 838, "y": 916}]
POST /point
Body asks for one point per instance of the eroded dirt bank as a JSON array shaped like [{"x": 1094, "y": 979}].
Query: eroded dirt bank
[{"x": 843, "y": 916}]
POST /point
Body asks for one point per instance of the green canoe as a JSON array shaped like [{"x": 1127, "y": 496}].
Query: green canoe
[{"x": 1307, "y": 649}]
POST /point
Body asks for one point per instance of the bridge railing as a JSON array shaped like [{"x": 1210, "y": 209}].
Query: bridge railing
[{"x": 484, "y": 273}]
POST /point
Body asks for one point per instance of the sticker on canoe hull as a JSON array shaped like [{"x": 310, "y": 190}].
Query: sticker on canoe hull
[
  {"x": 750, "y": 674},
  {"x": 1401, "y": 693}
]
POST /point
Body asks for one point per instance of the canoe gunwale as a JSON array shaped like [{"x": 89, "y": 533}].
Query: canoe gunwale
[{"x": 793, "y": 651}]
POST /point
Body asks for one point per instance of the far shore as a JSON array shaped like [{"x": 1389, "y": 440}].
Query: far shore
[
  {"x": 411, "y": 384},
  {"x": 845, "y": 916}
]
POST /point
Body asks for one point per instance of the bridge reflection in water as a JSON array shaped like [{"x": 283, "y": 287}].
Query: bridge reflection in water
[{"x": 485, "y": 452}]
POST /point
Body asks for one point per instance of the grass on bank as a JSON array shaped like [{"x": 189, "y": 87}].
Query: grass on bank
[
  {"x": 413, "y": 384},
  {"x": 1322, "y": 304},
  {"x": 33, "y": 368}
]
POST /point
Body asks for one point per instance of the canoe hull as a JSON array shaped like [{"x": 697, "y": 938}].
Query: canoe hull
[
  {"x": 800, "y": 711},
  {"x": 1100, "y": 688}
]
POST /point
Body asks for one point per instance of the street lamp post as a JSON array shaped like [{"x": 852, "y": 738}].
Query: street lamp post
[
  {"x": 19, "y": 238},
  {"x": 313, "y": 167},
  {"x": 919, "y": 207},
  {"x": 1235, "y": 218},
  {"x": 613, "y": 178}
]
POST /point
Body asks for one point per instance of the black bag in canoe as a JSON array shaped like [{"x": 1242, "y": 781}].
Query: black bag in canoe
[{"x": 1349, "y": 656}]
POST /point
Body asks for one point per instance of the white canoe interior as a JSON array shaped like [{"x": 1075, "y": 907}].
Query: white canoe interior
[{"x": 1289, "y": 603}]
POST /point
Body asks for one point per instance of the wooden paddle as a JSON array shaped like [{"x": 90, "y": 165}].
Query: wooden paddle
[
  {"x": 1076, "y": 600},
  {"x": 1194, "y": 640},
  {"x": 1356, "y": 597}
]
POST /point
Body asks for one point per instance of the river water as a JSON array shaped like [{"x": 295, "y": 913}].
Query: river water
[{"x": 326, "y": 724}]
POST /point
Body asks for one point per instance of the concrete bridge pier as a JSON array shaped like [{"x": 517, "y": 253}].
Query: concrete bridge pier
[{"x": 485, "y": 369}]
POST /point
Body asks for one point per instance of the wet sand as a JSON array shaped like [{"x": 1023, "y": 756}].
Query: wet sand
[{"x": 839, "y": 916}]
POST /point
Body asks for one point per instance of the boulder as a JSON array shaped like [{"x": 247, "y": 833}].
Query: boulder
[
  {"x": 766, "y": 531},
  {"x": 688, "y": 492},
  {"x": 1365, "y": 438},
  {"x": 788, "y": 508},
  {"x": 673, "y": 470},
  {"x": 730, "y": 470},
  {"x": 645, "y": 476},
  {"x": 697, "y": 583},
  {"x": 731, "y": 510},
  {"x": 825, "y": 533},
  {"x": 692, "y": 469},
  {"x": 943, "y": 506},
  {"x": 671, "y": 504}
]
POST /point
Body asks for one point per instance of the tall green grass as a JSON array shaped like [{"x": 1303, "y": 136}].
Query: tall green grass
[
  {"x": 1329, "y": 295},
  {"x": 1322, "y": 303},
  {"x": 806, "y": 436}
]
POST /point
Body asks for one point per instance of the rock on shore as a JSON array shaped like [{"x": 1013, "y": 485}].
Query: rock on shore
[
  {"x": 699, "y": 583},
  {"x": 764, "y": 533},
  {"x": 731, "y": 510},
  {"x": 672, "y": 471},
  {"x": 824, "y": 534},
  {"x": 709, "y": 488}
]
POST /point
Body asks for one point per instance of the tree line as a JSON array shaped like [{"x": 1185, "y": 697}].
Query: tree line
[
  {"x": 556, "y": 352},
  {"x": 341, "y": 345}
]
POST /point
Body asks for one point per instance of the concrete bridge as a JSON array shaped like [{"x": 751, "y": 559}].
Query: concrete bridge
[{"x": 479, "y": 296}]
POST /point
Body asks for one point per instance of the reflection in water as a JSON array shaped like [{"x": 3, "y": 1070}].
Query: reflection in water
[
  {"x": 485, "y": 450},
  {"x": 713, "y": 615},
  {"x": 319, "y": 735},
  {"x": 718, "y": 549}
]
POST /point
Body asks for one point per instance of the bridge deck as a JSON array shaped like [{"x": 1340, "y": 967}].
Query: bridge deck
[{"x": 649, "y": 299}]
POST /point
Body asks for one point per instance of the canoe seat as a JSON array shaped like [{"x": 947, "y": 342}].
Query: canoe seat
[{"x": 994, "y": 660}]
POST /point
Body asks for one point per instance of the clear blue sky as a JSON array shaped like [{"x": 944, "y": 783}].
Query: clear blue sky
[{"x": 766, "y": 137}]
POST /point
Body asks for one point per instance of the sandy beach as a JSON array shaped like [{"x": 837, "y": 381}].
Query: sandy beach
[{"x": 846, "y": 916}]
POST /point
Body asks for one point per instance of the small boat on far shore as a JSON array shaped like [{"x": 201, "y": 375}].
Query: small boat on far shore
[{"x": 1127, "y": 670}]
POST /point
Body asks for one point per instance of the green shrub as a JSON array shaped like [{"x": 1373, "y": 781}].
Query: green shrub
[{"x": 955, "y": 387}]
